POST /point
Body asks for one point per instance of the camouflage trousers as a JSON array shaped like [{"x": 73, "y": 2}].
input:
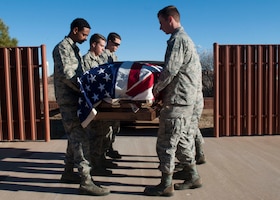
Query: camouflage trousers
[
  {"x": 175, "y": 137},
  {"x": 99, "y": 132},
  {"x": 110, "y": 138},
  {"x": 77, "y": 152},
  {"x": 197, "y": 111},
  {"x": 102, "y": 134}
]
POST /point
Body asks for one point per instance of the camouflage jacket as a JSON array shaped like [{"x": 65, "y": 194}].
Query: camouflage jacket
[
  {"x": 181, "y": 76},
  {"x": 108, "y": 57},
  {"x": 68, "y": 65},
  {"x": 91, "y": 60}
]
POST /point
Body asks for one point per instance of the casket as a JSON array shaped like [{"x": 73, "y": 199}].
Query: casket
[
  {"x": 127, "y": 110},
  {"x": 119, "y": 91}
]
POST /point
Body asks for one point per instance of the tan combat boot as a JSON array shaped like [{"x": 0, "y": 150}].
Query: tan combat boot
[
  {"x": 88, "y": 187},
  {"x": 192, "y": 178},
  {"x": 98, "y": 167},
  {"x": 199, "y": 156},
  {"x": 165, "y": 188},
  {"x": 69, "y": 176}
]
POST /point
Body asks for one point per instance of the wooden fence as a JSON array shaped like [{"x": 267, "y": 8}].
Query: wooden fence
[
  {"x": 23, "y": 86},
  {"x": 247, "y": 90}
]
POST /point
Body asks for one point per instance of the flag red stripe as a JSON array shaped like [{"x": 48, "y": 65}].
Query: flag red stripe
[
  {"x": 141, "y": 87},
  {"x": 134, "y": 73}
]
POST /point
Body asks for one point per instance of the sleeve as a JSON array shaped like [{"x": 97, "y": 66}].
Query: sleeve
[
  {"x": 173, "y": 62},
  {"x": 86, "y": 63},
  {"x": 70, "y": 69}
]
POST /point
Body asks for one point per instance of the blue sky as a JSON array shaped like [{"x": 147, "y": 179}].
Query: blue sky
[{"x": 36, "y": 22}]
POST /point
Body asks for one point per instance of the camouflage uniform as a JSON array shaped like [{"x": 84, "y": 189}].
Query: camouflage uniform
[
  {"x": 178, "y": 84},
  {"x": 194, "y": 130},
  {"x": 67, "y": 67},
  {"x": 91, "y": 61},
  {"x": 197, "y": 111},
  {"x": 108, "y": 57},
  {"x": 198, "y": 108},
  {"x": 99, "y": 130}
]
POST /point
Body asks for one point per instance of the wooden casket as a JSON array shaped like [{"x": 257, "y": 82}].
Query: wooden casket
[{"x": 127, "y": 111}]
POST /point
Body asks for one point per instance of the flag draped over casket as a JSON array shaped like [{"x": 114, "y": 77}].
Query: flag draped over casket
[{"x": 119, "y": 80}]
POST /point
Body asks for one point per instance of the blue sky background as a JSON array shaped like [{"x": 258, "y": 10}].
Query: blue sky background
[{"x": 36, "y": 22}]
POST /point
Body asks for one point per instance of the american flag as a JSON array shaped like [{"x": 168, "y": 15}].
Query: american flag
[{"x": 119, "y": 80}]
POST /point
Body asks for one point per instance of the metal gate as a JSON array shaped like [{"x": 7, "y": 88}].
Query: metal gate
[
  {"x": 247, "y": 90},
  {"x": 24, "y": 111}
]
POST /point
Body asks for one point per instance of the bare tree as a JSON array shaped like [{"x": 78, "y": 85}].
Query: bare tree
[{"x": 207, "y": 64}]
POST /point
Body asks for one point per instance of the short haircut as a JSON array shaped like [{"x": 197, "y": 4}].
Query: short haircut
[
  {"x": 169, "y": 11},
  {"x": 96, "y": 38},
  {"x": 80, "y": 23},
  {"x": 112, "y": 36}
]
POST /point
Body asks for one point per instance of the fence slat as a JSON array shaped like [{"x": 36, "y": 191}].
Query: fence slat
[
  {"x": 45, "y": 93},
  {"x": 20, "y": 102},
  {"x": 259, "y": 91},
  {"x": 8, "y": 95},
  {"x": 270, "y": 87},
  {"x": 216, "y": 91},
  {"x": 278, "y": 86},
  {"x": 238, "y": 91}
]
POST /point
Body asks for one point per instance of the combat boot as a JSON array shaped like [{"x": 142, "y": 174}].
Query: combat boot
[
  {"x": 108, "y": 163},
  {"x": 100, "y": 171},
  {"x": 165, "y": 188},
  {"x": 192, "y": 179},
  {"x": 98, "y": 168},
  {"x": 88, "y": 187},
  {"x": 69, "y": 176},
  {"x": 113, "y": 153},
  {"x": 181, "y": 174},
  {"x": 199, "y": 153}
]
